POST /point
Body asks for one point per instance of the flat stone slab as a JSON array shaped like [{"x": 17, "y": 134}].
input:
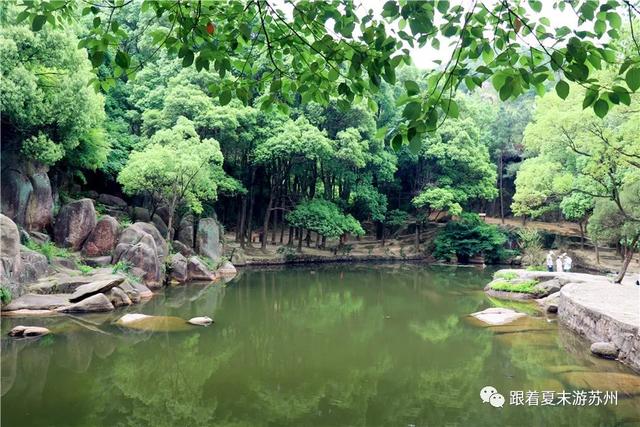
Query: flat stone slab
[
  {"x": 38, "y": 302},
  {"x": 143, "y": 322},
  {"x": 619, "y": 302},
  {"x": 497, "y": 316},
  {"x": 93, "y": 288}
]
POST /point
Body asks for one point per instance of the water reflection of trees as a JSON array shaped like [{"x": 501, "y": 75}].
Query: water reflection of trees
[{"x": 332, "y": 346}]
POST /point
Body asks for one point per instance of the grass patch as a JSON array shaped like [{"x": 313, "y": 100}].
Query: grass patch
[
  {"x": 48, "y": 249},
  {"x": 85, "y": 269},
  {"x": 5, "y": 295},
  {"x": 506, "y": 275},
  {"x": 526, "y": 287}
]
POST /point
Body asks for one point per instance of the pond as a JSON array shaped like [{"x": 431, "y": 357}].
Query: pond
[{"x": 335, "y": 345}]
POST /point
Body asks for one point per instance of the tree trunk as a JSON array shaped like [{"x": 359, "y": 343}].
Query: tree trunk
[
  {"x": 417, "y": 237},
  {"x": 275, "y": 228},
  {"x": 581, "y": 235},
  {"x": 265, "y": 223},
  {"x": 300, "y": 240},
  {"x": 250, "y": 214},
  {"x": 317, "y": 241},
  {"x": 597, "y": 252},
  {"x": 500, "y": 173},
  {"x": 308, "y": 238},
  {"x": 628, "y": 256},
  {"x": 243, "y": 220},
  {"x": 290, "y": 239}
]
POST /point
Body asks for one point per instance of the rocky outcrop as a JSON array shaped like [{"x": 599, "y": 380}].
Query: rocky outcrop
[
  {"x": 178, "y": 268},
  {"x": 141, "y": 245},
  {"x": 33, "y": 265},
  {"x": 74, "y": 223},
  {"x": 604, "y": 312},
  {"x": 160, "y": 225},
  {"x": 102, "y": 286},
  {"x": 198, "y": 271},
  {"x": 140, "y": 214},
  {"x": 103, "y": 238},
  {"x": 208, "y": 239},
  {"x": 26, "y": 193},
  {"x": 94, "y": 303}
]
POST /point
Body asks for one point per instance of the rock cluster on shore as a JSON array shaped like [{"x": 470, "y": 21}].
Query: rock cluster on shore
[{"x": 124, "y": 264}]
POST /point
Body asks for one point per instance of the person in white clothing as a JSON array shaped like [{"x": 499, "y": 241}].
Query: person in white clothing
[
  {"x": 559, "y": 264},
  {"x": 566, "y": 262},
  {"x": 550, "y": 261}
]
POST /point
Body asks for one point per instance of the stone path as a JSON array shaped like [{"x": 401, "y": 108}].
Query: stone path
[{"x": 619, "y": 302}]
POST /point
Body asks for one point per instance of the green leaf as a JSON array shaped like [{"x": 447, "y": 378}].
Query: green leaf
[
  {"x": 536, "y": 5},
  {"x": 633, "y": 78},
  {"x": 412, "y": 110},
  {"x": 396, "y": 142},
  {"x": 412, "y": 87},
  {"x": 187, "y": 60},
  {"x": 453, "y": 109},
  {"x": 22, "y": 16},
  {"x": 415, "y": 144},
  {"x": 589, "y": 98},
  {"x": 122, "y": 59},
  {"x": 601, "y": 107},
  {"x": 614, "y": 19},
  {"x": 225, "y": 97},
  {"x": 38, "y": 22},
  {"x": 333, "y": 75},
  {"x": 505, "y": 91},
  {"x": 562, "y": 89}
]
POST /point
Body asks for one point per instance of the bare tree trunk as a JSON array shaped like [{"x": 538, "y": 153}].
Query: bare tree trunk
[
  {"x": 500, "y": 173},
  {"x": 317, "y": 241},
  {"x": 290, "y": 239},
  {"x": 628, "y": 256},
  {"x": 250, "y": 214},
  {"x": 300, "y": 239},
  {"x": 243, "y": 220},
  {"x": 581, "y": 235},
  {"x": 265, "y": 223},
  {"x": 417, "y": 240},
  {"x": 275, "y": 228},
  {"x": 597, "y": 252},
  {"x": 308, "y": 238}
]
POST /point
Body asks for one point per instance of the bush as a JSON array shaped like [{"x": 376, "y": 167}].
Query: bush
[
  {"x": 5, "y": 295},
  {"x": 121, "y": 267},
  {"x": 287, "y": 252},
  {"x": 530, "y": 243},
  {"x": 85, "y": 269},
  {"x": 469, "y": 237}
]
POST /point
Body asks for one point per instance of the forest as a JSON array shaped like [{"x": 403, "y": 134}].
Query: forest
[{"x": 278, "y": 164}]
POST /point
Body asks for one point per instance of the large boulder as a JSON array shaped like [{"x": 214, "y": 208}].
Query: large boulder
[
  {"x": 186, "y": 232},
  {"x": 95, "y": 303},
  {"x": 74, "y": 223},
  {"x": 28, "y": 331},
  {"x": 33, "y": 265},
  {"x": 141, "y": 245},
  {"x": 198, "y": 271},
  {"x": 208, "y": 239},
  {"x": 103, "y": 238},
  {"x": 118, "y": 297},
  {"x": 160, "y": 225},
  {"x": 178, "y": 246},
  {"x": 26, "y": 193},
  {"x": 37, "y": 302},
  {"x": 140, "y": 214},
  {"x": 178, "y": 268},
  {"x": 227, "y": 269},
  {"x": 108, "y": 199},
  {"x": 9, "y": 248},
  {"x": 606, "y": 350}
]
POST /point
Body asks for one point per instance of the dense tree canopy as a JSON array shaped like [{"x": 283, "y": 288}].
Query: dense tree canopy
[{"x": 320, "y": 50}]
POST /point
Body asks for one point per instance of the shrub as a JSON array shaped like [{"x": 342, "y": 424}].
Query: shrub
[
  {"x": 287, "y": 252},
  {"x": 5, "y": 295},
  {"x": 85, "y": 269},
  {"x": 530, "y": 243},
  {"x": 468, "y": 237},
  {"x": 121, "y": 267}
]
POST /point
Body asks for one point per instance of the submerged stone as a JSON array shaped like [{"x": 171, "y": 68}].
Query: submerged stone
[
  {"x": 201, "y": 321},
  {"x": 497, "y": 315},
  {"x": 143, "y": 322}
]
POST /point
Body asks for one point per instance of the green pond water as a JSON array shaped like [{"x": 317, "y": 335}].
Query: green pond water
[{"x": 340, "y": 345}]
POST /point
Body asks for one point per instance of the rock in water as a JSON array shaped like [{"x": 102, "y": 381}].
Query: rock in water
[
  {"x": 144, "y": 322},
  {"x": 227, "y": 269},
  {"x": 197, "y": 270},
  {"x": 74, "y": 223},
  {"x": 118, "y": 297},
  {"x": 605, "y": 350},
  {"x": 28, "y": 331},
  {"x": 497, "y": 316},
  {"x": 200, "y": 321}
]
